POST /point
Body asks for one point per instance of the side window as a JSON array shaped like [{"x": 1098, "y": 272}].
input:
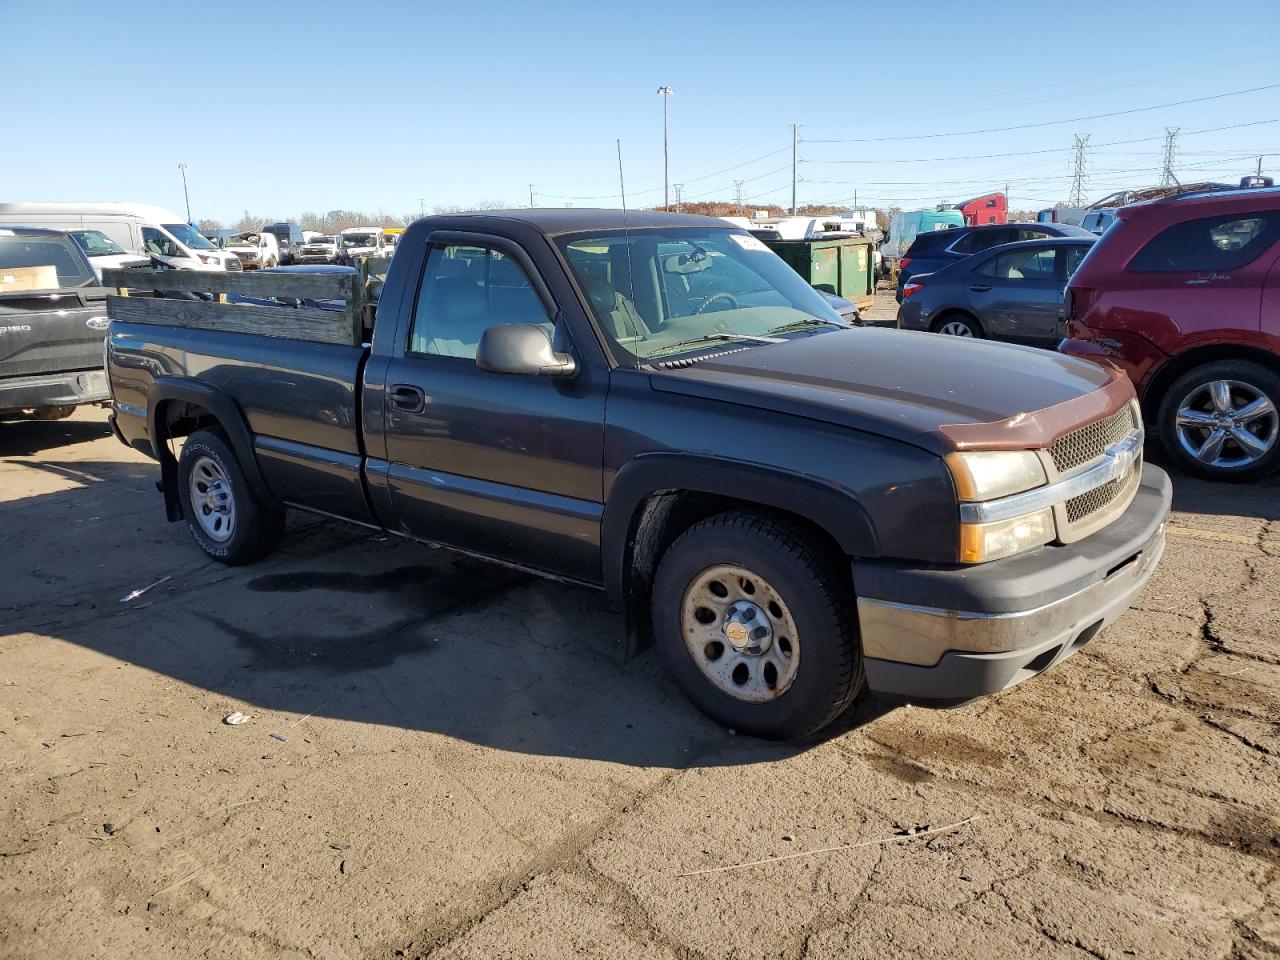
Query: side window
[
  {"x": 159, "y": 243},
  {"x": 465, "y": 290},
  {"x": 1021, "y": 265},
  {"x": 1208, "y": 244},
  {"x": 1025, "y": 234}
]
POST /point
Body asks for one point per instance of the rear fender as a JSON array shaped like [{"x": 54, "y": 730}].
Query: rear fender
[{"x": 167, "y": 390}]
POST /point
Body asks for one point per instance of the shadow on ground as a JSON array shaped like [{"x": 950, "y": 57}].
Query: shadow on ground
[{"x": 351, "y": 625}]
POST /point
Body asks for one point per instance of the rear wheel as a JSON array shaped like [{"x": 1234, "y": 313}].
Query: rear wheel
[
  {"x": 1221, "y": 420},
  {"x": 957, "y": 325},
  {"x": 224, "y": 517},
  {"x": 757, "y": 625}
]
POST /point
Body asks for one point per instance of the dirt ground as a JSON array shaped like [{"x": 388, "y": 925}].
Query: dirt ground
[{"x": 464, "y": 767}]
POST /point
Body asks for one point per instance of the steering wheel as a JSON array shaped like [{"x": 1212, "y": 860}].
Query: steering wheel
[{"x": 721, "y": 295}]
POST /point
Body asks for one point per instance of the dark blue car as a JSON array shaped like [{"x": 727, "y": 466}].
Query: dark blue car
[{"x": 939, "y": 248}]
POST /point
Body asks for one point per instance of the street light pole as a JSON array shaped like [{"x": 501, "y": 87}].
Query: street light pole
[
  {"x": 665, "y": 92},
  {"x": 185, "y": 196}
]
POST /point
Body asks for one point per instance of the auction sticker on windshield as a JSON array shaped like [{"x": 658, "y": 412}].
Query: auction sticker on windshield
[{"x": 748, "y": 242}]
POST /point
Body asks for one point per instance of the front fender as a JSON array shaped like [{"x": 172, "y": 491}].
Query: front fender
[{"x": 831, "y": 507}]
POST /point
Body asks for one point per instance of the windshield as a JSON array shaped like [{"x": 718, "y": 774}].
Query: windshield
[
  {"x": 95, "y": 243},
  {"x": 47, "y": 262},
  {"x": 357, "y": 239},
  {"x": 242, "y": 240},
  {"x": 663, "y": 292},
  {"x": 188, "y": 235},
  {"x": 321, "y": 240}
]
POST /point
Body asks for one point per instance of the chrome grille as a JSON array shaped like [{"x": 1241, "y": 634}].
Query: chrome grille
[
  {"x": 1087, "y": 504},
  {"x": 234, "y": 264},
  {"x": 1088, "y": 443}
]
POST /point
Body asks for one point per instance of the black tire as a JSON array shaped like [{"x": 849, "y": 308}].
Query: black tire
[
  {"x": 257, "y": 526},
  {"x": 975, "y": 328},
  {"x": 1191, "y": 385},
  {"x": 806, "y": 575}
]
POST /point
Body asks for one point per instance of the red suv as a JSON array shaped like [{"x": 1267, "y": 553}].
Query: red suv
[{"x": 1183, "y": 295}]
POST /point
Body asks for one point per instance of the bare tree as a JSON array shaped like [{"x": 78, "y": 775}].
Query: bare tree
[{"x": 210, "y": 226}]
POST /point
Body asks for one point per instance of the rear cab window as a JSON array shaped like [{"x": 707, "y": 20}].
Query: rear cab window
[
  {"x": 60, "y": 259},
  {"x": 1209, "y": 244}
]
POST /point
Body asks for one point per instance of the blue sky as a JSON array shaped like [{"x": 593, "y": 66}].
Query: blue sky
[{"x": 281, "y": 108}]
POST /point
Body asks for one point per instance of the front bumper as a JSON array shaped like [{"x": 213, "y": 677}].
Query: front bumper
[
  {"x": 53, "y": 390},
  {"x": 947, "y": 635}
]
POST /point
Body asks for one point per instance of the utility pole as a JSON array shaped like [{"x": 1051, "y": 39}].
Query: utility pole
[
  {"x": 795, "y": 144},
  {"x": 665, "y": 93},
  {"x": 531, "y": 196},
  {"x": 1170, "y": 150},
  {"x": 1259, "y": 173},
  {"x": 422, "y": 206},
  {"x": 1078, "y": 173},
  {"x": 185, "y": 195},
  {"x": 679, "y": 188},
  {"x": 737, "y": 189}
]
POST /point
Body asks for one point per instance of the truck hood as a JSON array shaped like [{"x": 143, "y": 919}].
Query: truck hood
[{"x": 941, "y": 393}]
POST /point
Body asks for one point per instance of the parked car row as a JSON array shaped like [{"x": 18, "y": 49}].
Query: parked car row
[{"x": 1181, "y": 293}]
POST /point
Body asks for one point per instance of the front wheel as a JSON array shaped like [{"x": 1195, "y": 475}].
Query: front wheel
[
  {"x": 225, "y": 519},
  {"x": 1221, "y": 421},
  {"x": 757, "y": 625}
]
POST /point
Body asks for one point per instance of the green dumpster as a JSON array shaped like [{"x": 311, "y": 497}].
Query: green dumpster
[{"x": 844, "y": 266}]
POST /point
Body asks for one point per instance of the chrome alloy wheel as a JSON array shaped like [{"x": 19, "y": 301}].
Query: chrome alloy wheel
[
  {"x": 739, "y": 632},
  {"x": 212, "y": 499},
  {"x": 1227, "y": 423},
  {"x": 956, "y": 328}
]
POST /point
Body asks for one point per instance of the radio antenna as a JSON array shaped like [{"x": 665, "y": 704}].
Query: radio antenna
[
  {"x": 622, "y": 183},
  {"x": 626, "y": 236}
]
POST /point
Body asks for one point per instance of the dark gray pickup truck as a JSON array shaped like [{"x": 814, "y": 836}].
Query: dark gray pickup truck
[
  {"x": 656, "y": 405},
  {"x": 51, "y": 332}
]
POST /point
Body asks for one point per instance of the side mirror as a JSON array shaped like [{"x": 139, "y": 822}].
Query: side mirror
[{"x": 522, "y": 348}]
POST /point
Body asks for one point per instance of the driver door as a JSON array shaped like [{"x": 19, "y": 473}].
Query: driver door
[{"x": 504, "y": 465}]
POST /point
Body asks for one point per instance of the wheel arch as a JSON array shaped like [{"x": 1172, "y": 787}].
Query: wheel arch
[
  {"x": 656, "y": 497},
  {"x": 1179, "y": 364},
  {"x": 177, "y": 407}
]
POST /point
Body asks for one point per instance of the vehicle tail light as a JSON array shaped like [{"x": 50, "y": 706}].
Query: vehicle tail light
[
  {"x": 1079, "y": 301},
  {"x": 910, "y": 288},
  {"x": 904, "y": 263}
]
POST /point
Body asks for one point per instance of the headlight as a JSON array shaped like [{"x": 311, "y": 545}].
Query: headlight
[
  {"x": 989, "y": 474},
  {"x": 980, "y": 542},
  {"x": 982, "y": 475}
]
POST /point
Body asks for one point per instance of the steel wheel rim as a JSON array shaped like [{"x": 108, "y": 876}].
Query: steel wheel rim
[
  {"x": 956, "y": 328},
  {"x": 1227, "y": 423},
  {"x": 740, "y": 634},
  {"x": 212, "y": 501}
]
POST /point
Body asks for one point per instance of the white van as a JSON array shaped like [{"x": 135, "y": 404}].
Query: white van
[
  {"x": 138, "y": 228},
  {"x": 357, "y": 242}
]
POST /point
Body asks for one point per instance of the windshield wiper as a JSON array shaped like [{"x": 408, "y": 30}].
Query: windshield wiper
[
  {"x": 810, "y": 321},
  {"x": 708, "y": 337}
]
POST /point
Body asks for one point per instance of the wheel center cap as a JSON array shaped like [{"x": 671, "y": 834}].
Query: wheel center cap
[{"x": 747, "y": 628}]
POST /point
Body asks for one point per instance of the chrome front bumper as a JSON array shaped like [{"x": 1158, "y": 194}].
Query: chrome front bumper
[{"x": 949, "y": 655}]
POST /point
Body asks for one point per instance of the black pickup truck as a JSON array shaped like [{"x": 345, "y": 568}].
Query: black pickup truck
[
  {"x": 53, "y": 317},
  {"x": 794, "y": 509}
]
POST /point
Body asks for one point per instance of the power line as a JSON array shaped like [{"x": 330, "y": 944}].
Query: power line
[{"x": 1051, "y": 123}]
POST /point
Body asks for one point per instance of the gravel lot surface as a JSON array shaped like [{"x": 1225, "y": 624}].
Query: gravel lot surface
[{"x": 464, "y": 767}]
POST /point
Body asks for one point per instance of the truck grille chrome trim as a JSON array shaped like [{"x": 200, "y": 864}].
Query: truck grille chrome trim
[
  {"x": 1117, "y": 465},
  {"x": 1089, "y": 442}
]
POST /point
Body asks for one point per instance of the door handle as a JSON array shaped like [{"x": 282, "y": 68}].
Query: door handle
[
  {"x": 407, "y": 398},
  {"x": 979, "y": 287}
]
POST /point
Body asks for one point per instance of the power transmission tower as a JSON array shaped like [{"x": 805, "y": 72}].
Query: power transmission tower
[
  {"x": 1170, "y": 151},
  {"x": 737, "y": 191},
  {"x": 1078, "y": 172},
  {"x": 679, "y": 189}
]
